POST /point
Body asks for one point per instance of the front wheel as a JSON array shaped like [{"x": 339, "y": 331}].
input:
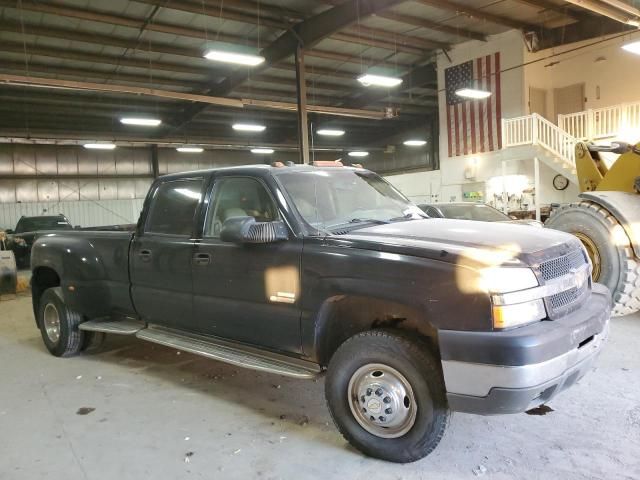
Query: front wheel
[
  {"x": 386, "y": 395},
  {"x": 609, "y": 250},
  {"x": 59, "y": 324}
]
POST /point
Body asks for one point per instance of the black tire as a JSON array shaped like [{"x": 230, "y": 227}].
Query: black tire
[
  {"x": 417, "y": 365},
  {"x": 70, "y": 338},
  {"x": 619, "y": 268}
]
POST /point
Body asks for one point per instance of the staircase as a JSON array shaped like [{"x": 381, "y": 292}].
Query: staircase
[{"x": 534, "y": 136}]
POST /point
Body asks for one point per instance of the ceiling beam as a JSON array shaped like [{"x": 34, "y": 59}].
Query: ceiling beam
[
  {"x": 431, "y": 25},
  {"x": 30, "y": 81},
  {"x": 462, "y": 9},
  {"x": 31, "y": 48},
  {"x": 23, "y": 68},
  {"x": 306, "y": 33}
]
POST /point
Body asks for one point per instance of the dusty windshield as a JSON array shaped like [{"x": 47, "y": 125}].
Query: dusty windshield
[{"x": 331, "y": 200}]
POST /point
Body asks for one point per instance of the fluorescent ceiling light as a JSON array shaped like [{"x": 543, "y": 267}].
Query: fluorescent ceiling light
[
  {"x": 633, "y": 47},
  {"x": 472, "y": 93},
  {"x": 358, "y": 154},
  {"x": 190, "y": 149},
  {"x": 248, "y": 127},
  {"x": 415, "y": 143},
  {"x": 331, "y": 132},
  {"x": 232, "y": 57},
  {"x": 144, "y": 122},
  {"x": 263, "y": 151},
  {"x": 379, "y": 81},
  {"x": 100, "y": 146}
]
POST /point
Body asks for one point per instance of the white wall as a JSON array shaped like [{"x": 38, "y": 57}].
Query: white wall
[
  {"x": 609, "y": 73},
  {"x": 419, "y": 187}
]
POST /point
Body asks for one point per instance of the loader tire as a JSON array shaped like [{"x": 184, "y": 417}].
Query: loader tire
[{"x": 614, "y": 263}]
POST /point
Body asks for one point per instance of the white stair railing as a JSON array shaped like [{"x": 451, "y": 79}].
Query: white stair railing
[
  {"x": 536, "y": 130},
  {"x": 602, "y": 123}
]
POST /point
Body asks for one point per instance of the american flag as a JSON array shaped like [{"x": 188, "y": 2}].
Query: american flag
[{"x": 474, "y": 126}]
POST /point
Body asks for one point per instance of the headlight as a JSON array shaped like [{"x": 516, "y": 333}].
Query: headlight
[
  {"x": 500, "y": 280},
  {"x": 507, "y": 316},
  {"x": 506, "y": 279}
]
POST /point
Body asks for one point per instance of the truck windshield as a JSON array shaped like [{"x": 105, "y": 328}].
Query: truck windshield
[
  {"x": 483, "y": 213},
  {"x": 332, "y": 200}
]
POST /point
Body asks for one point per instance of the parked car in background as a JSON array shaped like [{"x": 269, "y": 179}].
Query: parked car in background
[
  {"x": 471, "y": 211},
  {"x": 21, "y": 239}
]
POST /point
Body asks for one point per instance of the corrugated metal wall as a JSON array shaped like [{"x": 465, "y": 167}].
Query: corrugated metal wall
[{"x": 92, "y": 187}]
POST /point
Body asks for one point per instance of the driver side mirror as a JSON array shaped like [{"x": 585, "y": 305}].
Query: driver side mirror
[
  {"x": 247, "y": 230},
  {"x": 9, "y": 231}
]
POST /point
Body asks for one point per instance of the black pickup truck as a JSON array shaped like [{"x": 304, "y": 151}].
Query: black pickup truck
[{"x": 307, "y": 270}]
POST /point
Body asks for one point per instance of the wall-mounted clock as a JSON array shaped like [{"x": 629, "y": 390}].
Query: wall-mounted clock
[{"x": 560, "y": 182}]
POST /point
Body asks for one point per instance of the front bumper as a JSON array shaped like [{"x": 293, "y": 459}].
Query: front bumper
[{"x": 492, "y": 373}]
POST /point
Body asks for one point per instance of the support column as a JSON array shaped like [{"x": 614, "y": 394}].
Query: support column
[
  {"x": 536, "y": 185},
  {"x": 505, "y": 194},
  {"x": 154, "y": 161},
  {"x": 301, "y": 91}
]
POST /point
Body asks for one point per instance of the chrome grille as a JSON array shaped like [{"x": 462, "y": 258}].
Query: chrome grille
[
  {"x": 562, "y": 265},
  {"x": 568, "y": 300}
]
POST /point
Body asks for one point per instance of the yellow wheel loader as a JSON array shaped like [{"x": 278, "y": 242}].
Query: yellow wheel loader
[{"x": 607, "y": 219}]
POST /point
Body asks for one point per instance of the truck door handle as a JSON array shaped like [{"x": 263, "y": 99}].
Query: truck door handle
[
  {"x": 202, "y": 259},
  {"x": 145, "y": 255}
]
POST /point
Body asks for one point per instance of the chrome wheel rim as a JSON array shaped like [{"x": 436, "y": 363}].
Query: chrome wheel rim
[
  {"x": 382, "y": 400},
  {"x": 52, "y": 322}
]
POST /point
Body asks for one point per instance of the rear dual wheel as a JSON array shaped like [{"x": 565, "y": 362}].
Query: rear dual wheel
[
  {"x": 386, "y": 395},
  {"x": 59, "y": 326}
]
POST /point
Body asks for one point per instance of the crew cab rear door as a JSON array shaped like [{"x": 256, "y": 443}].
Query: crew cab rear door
[
  {"x": 161, "y": 253},
  {"x": 247, "y": 292}
]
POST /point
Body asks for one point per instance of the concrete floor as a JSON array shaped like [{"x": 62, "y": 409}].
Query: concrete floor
[{"x": 150, "y": 412}]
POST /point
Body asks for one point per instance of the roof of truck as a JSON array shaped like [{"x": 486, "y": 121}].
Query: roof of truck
[{"x": 261, "y": 168}]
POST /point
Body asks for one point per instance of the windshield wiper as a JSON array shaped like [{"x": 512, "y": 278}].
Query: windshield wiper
[
  {"x": 369, "y": 220},
  {"x": 355, "y": 223},
  {"x": 408, "y": 216}
]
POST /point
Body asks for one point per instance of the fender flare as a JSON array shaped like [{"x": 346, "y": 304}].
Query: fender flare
[{"x": 625, "y": 207}]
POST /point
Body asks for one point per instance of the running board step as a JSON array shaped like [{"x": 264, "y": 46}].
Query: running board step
[
  {"x": 128, "y": 326},
  {"x": 233, "y": 353}
]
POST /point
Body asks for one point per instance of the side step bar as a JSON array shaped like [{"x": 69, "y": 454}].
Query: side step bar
[
  {"x": 128, "y": 326},
  {"x": 230, "y": 352}
]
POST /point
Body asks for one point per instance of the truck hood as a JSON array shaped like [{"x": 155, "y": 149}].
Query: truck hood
[{"x": 482, "y": 242}]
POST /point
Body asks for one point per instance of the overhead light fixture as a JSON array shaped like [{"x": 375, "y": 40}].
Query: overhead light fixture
[
  {"x": 248, "y": 127},
  {"x": 190, "y": 149},
  {"x": 473, "y": 93},
  {"x": 414, "y": 143},
  {"x": 379, "y": 81},
  {"x": 100, "y": 146},
  {"x": 329, "y": 132},
  {"x": 358, "y": 154},
  {"x": 633, "y": 47},
  {"x": 232, "y": 57},
  {"x": 262, "y": 151},
  {"x": 143, "y": 122}
]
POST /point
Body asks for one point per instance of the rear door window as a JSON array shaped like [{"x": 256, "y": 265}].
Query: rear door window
[{"x": 174, "y": 206}]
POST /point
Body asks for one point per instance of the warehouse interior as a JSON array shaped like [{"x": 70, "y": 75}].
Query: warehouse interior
[{"x": 98, "y": 100}]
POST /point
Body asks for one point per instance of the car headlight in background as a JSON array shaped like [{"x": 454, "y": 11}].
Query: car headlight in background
[{"x": 498, "y": 280}]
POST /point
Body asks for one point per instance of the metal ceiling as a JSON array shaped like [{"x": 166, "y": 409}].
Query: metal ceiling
[{"x": 160, "y": 44}]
